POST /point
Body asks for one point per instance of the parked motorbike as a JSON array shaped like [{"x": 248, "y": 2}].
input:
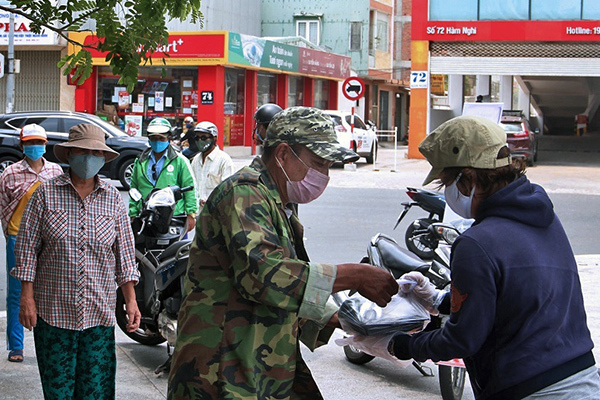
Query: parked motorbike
[
  {"x": 384, "y": 252},
  {"x": 432, "y": 202},
  {"x": 161, "y": 257}
]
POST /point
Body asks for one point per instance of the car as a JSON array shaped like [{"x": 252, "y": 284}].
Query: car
[
  {"x": 364, "y": 138},
  {"x": 521, "y": 139},
  {"x": 57, "y": 125}
]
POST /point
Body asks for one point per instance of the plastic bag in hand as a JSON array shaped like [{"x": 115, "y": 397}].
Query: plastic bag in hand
[{"x": 404, "y": 314}]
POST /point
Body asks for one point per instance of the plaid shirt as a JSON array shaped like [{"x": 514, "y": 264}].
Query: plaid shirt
[
  {"x": 73, "y": 250},
  {"x": 15, "y": 182}
]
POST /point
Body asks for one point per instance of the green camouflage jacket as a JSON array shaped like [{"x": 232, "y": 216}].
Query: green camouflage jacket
[{"x": 247, "y": 293}]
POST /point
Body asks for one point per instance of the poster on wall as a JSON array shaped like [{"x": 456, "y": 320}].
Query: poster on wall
[
  {"x": 123, "y": 103},
  {"x": 133, "y": 125},
  {"x": 159, "y": 101}
]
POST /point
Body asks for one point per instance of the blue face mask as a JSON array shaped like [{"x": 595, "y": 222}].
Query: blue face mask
[
  {"x": 34, "y": 151},
  {"x": 86, "y": 166},
  {"x": 158, "y": 146}
]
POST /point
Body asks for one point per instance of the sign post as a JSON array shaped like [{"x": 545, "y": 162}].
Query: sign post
[{"x": 353, "y": 89}]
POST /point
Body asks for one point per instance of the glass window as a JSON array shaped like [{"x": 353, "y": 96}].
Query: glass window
[
  {"x": 177, "y": 95},
  {"x": 309, "y": 30},
  {"x": 266, "y": 88},
  {"x": 453, "y": 10},
  {"x": 50, "y": 124},
  {"x": 234, "y": 91},
  {"x": 382, "y": 35},
  {"x": 591, "y": 9},
  {"x": 504, "y": 10},
  {"x": 16, "y": 123},
  {"x": 235, "y": 87},
  {"x": 469, "y": 88},
  {"x": 355, "y": 35},
  {"x": 358, "y": 123},
  {"x": 516, "y": 92},
  {"x": 556, "y": 10},
  {"x": 495, "y": 88},
  {"x": 321, "y": 94},
  {"x": 296, "y": 91}
]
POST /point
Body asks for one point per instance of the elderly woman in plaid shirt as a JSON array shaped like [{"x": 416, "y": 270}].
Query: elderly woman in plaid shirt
[{"x": 75, "y": 245}]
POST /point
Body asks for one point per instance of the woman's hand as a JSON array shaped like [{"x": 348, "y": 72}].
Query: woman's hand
[
  {"x": 133, "y": 316},
  {"x": 27, "y": 310}
]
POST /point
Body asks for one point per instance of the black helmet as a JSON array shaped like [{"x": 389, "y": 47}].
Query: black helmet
[{"x": 266, "y": 112}]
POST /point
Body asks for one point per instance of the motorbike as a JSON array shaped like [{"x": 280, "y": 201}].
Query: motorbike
[
  {"x": 430, "y": 201},
  {"x": 161, "y": 257},
  {"x": 384, "y": 252}
]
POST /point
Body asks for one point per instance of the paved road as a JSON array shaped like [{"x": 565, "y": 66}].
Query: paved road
[{"x": 338, "y": 226}]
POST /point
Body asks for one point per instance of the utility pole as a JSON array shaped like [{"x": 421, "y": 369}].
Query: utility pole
[{"x": 10, "y": 79}]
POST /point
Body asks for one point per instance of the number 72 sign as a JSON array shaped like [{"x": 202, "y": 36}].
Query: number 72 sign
[{"x": 419, "y": 79}]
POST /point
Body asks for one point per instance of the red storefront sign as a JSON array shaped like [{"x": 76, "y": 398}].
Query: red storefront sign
[
  {"x": 181, "y": 47},
  {"x": 324, "y": 64},
  {"x": 498, "y": 31}
]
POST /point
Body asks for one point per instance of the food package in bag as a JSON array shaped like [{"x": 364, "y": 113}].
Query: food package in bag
[{"x": 403, "y": 314}]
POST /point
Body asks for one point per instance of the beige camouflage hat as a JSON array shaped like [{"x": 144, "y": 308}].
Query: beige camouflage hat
[
  {"x": 309, "y": 127},
  {"x": 465, "y": 141}
]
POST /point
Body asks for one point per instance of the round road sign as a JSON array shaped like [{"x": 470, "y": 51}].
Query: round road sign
[{"x": 353, "y": 88}]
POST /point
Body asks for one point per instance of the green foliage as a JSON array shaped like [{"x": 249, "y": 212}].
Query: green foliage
[{"x": 129, "y": 30}]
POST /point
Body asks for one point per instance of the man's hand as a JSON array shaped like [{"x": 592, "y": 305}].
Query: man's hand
[
  {"x": 374, "y": 345},
  {"x": 27, "y": 310},
  {"x": 133, "y": 316},
  {"x": 191, "y": 220},
  {"x": 373, "y": 283}
]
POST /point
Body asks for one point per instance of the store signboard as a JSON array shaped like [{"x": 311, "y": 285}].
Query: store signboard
[
  {"x": 193, "y": 48},
  {"x": 253, "y": 51},
  {"x": 494, "y": 31},
  {"x": 23, "y": 35},
  {"x": 315, "y": 62},
  {"x": 249, "y": 50}
]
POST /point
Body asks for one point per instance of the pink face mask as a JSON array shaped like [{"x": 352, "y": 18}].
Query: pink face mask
[{"x": 309, "y": 188}]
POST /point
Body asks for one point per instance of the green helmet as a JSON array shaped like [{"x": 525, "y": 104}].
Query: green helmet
[{"x": 159, "y": 126}]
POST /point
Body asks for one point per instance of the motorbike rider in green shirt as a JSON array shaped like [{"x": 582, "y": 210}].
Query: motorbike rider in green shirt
[{"x": 161, "y": 166}]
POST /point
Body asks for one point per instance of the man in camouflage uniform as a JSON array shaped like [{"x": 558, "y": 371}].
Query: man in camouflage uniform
[{"x": 250, "y": 292}]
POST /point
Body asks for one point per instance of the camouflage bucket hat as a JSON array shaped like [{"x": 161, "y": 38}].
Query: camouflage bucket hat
[
  {"x": 465, "y": 141},
  {"x": 311, "y": 128}
]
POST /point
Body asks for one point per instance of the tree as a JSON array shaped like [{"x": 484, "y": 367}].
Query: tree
[{"x": 128, "y": 31}]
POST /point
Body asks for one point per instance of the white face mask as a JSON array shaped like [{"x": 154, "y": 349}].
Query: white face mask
[{"x": 458, "y": 202}]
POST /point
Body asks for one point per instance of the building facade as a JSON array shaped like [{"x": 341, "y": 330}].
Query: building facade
[
  {"x": 362, "y": 30},
  {"x": 539, "y": 56},
  {"x": 218, "y": 76}
]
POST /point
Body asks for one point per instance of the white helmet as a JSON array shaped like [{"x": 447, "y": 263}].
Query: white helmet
[
  {"x": 188, "y": 119},
  {"x": 206, "y": 127}
]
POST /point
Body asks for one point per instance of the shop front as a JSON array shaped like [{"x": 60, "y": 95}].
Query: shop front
[{"x": 222, "y": 77}]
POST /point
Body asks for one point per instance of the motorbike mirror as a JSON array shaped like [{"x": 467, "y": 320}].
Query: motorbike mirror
[{"x": 135, "y": 194}]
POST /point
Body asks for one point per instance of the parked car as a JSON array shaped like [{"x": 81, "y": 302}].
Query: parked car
[
  {"x": 57, "y": 125},
  {"x": 522, "y": 140},
  {"x": 364, "y": 138}
]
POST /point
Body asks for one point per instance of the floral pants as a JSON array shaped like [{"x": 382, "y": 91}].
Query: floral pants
[{"x": 76, "y": 364}]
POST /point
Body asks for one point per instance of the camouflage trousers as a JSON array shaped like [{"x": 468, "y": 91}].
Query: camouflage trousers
[{"x": 76, "y": 364}]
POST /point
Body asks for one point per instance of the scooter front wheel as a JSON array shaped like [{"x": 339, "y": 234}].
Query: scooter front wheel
[
  {"x": 144, "y": 334},
  {"x": 356, "y": 356}
]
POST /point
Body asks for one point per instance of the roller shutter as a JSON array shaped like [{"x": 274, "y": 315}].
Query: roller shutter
[
  {"x": 532, "y": 59},
  {"x": 37, "y": 86}
]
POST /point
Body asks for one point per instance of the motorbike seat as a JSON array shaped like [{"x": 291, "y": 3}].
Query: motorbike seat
[
  {"x": 171, "y": 251},
  {"x": 399, "y": 260}
]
